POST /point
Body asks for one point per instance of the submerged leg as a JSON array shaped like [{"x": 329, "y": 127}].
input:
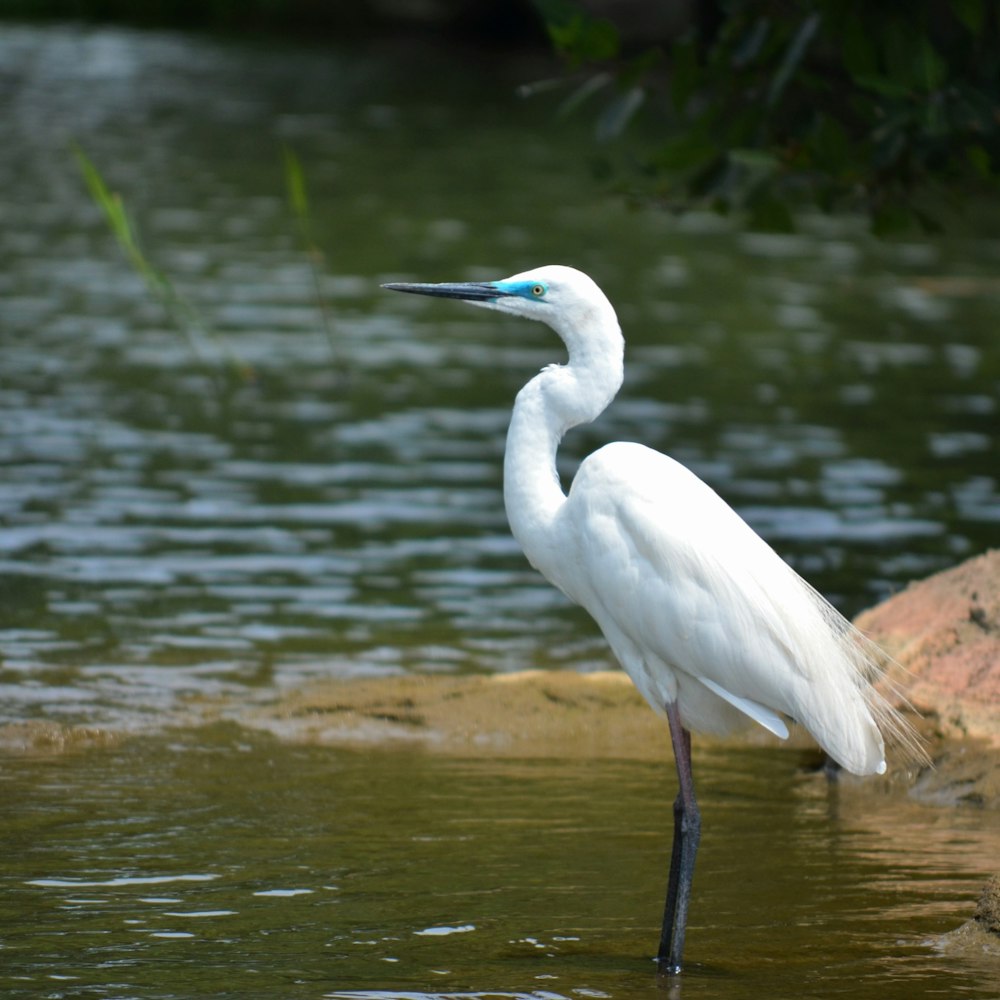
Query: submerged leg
[{"x": 687, "y": 833}]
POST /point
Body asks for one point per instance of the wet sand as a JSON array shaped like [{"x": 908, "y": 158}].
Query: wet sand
[
  {"x": 943, "y": 633},
  {"x": 530, "y": 714}
]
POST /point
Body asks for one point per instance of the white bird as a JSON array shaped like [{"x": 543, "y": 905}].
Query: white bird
[{"x": 713, "y": 627}]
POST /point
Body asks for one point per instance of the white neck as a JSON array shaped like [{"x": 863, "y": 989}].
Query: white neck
[{"x": 558, "y": 398}]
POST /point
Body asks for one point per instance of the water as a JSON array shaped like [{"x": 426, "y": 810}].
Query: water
[
  {"x": 146, "y": 870},
  {"x": 170, "y": 533},
  {"x": 167, "y": 535}
]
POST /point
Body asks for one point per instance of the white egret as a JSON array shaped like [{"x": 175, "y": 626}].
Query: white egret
[{"x": 713, "y": 627}]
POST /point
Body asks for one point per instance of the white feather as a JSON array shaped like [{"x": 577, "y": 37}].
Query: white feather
[
  {"x": 753, "y": 709},
  {"x": 697, "y": 607},
  {"x": 701, "y": 612}
]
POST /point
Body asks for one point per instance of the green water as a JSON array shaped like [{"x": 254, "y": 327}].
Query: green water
[
  {"x": 164, "y": 535},
  {"x": 214, "y": 863},
  {"x": 168, "y": 533}
]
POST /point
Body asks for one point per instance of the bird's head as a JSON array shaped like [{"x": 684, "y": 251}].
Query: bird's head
[{"x": 565, "y": 298}]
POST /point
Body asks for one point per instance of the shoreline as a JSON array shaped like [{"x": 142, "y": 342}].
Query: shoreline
[{"x": 943, "y": 635}]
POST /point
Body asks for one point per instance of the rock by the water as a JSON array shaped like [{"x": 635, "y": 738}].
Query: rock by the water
[{"x": 944, "y": 634}]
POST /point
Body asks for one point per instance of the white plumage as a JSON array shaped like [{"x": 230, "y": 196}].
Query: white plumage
[
  {"x": 700, "y": 610},
  {"x": 696, "y": 606},
  {"x": 713, "y": 627}
]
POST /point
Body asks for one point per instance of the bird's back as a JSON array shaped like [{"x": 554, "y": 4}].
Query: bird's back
[{"x": 699, "y": 609}]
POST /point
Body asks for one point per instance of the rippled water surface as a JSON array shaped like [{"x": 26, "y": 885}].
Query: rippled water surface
[
  {"x": 172, "y": 528},
  {"x": 149, "y": 871},
  {"x": 167, "y": 529}
]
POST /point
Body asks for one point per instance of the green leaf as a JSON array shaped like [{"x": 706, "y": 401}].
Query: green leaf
[
  {"x": 578, "y": 35},
  {"x": 931, "y": 67},
  {"x": 113, "y": 207},
  {"x": 598, "y": 40},
  {"x": 295, "y": 184},
  {"x": 911, "y": 59},
  {"x": 979, "y": 158},
  {"x": 972, "y": 13}
]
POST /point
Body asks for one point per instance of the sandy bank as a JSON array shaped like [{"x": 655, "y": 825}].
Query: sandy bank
[{"x": 944, "y": 634}]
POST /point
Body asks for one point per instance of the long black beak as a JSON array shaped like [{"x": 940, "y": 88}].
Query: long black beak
[{"x": 471, "y": 291}]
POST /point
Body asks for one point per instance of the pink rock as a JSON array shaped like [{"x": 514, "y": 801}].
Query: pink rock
[{"x": 944, "y": 634}]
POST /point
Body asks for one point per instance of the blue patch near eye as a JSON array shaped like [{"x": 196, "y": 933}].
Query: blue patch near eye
[{"x": 532, "y": 290}]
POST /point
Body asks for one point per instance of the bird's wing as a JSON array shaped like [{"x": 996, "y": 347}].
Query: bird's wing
[
  {"x": 760, "y": 714},
  {"x": 670, "y": 565}
]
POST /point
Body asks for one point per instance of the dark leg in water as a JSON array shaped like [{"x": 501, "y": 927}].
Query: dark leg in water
[{"x": 687, "y": 833}]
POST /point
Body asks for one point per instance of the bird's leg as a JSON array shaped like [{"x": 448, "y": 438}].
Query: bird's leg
[
  {"x": 687, "y": 833},
  {"x": 669, "y": 910}
]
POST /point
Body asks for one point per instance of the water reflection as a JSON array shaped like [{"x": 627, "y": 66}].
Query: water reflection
[
  {"x": 165, "y": 533},
  {"x": 402, "y": 874}
]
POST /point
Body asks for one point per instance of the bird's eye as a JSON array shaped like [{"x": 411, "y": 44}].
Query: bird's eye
[{"x": 538, "y": 291}]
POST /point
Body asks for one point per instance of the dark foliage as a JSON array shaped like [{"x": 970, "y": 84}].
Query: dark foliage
[{"x": 890, "y": 108}]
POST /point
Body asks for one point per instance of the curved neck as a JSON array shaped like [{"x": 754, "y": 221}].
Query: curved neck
[{"x": 558, "y": 398}]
